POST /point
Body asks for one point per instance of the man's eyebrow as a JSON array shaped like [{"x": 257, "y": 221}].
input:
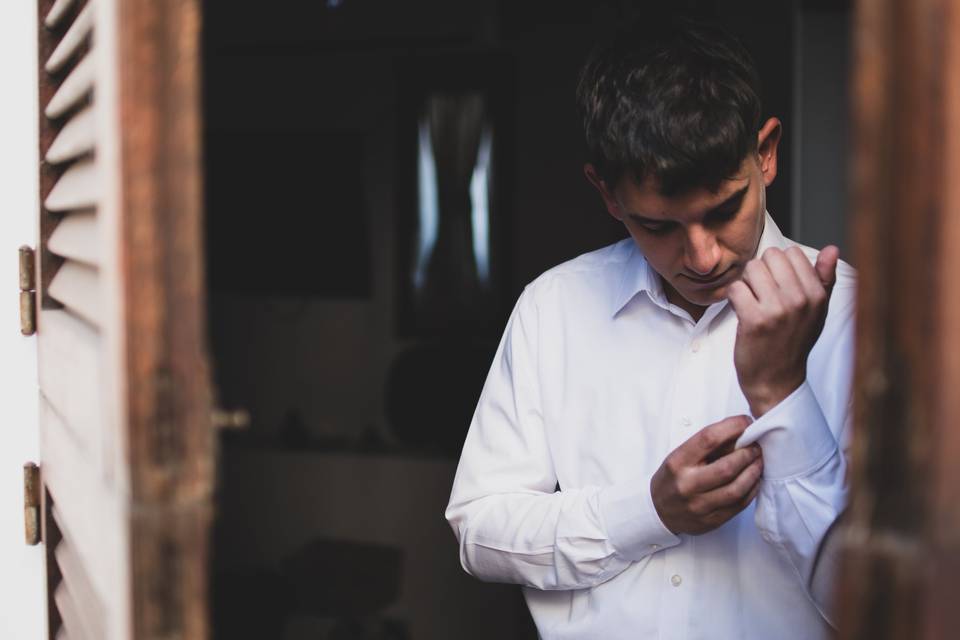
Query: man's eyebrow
[{"x": 734, "y": 197}]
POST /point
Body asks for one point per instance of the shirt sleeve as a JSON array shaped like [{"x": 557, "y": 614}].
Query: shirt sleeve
[
  {"x": 805, "y": 443},
  {"x": 512, "y": 523}
]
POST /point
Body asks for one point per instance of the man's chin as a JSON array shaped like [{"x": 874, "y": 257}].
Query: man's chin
[{"x": 705, "y": 297}]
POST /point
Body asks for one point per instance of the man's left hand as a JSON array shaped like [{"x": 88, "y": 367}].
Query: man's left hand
[{"x": 781, "y": 304}]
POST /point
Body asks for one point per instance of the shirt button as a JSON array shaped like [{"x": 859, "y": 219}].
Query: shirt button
[
  {"x": 695, "y": 346},
  {"x": 676, "y": 580},
  {"x": 685, "y": 421},
  {"x": 654, "y": 546}
]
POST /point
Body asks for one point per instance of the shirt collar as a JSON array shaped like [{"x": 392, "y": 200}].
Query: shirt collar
[{"x": 638, "y": 276}]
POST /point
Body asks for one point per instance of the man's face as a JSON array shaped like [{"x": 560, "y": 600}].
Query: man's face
[{"x": 700, "y": 241}]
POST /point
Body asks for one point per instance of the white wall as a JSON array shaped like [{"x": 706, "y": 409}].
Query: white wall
[{"x": 21, "y": 567}]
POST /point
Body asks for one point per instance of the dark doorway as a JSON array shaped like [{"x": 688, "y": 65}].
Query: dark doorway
[{"x": 330, "y": 504}]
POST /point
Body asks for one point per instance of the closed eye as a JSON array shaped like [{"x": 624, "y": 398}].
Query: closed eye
[
  {"x": 724, "y": 215},
  {"x": 658, "y": 228},
  {"x": 728, "y": 209}
]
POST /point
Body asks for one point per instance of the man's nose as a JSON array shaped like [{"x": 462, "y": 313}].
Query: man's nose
[{"x": 702, "y": 254}]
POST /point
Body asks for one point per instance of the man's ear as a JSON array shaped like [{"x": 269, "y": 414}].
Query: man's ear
[
  {"x": 613, "y": 207},
  {"x": 767, "y": 141}
]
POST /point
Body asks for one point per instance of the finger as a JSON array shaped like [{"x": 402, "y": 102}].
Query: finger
[
  {"x": 785, "y": 276},
  {"x": 805, "y": 272},
  {"x": 826, "y": 266},
  {"x": 761, "y": 282},
  {"x": 720, "y": 516},
  {"x": 726, "y": 448},
  {"x": 731, "y": 495},
  {"x": 726, "y": 469},
  {"x": 703, "y": 442},
  {"x": 742, "y": 299}
]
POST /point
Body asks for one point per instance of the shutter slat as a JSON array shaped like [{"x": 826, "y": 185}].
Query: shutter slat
[
  {"x": 72, "y": 39},
  {"x": 77, "y": 188},
  {"x": 77, "y": 138},
  {"x": 57, "y": 13},
  {"x": 68, "y": 613},
  {"x": 75, "y": 87},
  {"x": 90, "y": 609},
  {"x": 88, "y": 514},
  {"x": 77, "y": 286},
  {"x": 69, "y": 361},
  {"x": 76, "y": 238}
]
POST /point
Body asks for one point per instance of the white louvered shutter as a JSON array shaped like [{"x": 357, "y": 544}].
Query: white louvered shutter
[{"x": 126, "y": 448}]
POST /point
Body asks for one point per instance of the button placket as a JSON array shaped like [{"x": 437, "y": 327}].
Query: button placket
[{"x": 675, "y": 596}]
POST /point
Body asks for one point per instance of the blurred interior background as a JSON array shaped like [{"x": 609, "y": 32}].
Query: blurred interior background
[{"x": 382, "y": 181}]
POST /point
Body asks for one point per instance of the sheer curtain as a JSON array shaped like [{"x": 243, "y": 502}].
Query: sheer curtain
[{"x": 452, "y": 268}]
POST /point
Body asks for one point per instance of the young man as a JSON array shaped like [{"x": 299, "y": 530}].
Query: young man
[{"x": 655, "y": 452}]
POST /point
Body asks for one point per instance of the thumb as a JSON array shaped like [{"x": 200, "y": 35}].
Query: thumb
[{"x": 826, "y": 266}]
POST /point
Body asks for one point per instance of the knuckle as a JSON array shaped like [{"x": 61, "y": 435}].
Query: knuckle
[
  {"x": 684, "y": 486},
  {"x": 732, "y": 493},
  {"x": 797, "y": 301},
  {"x": 672, "y": 465},
  {"x": 699, "y": 508},
  {"x": 709, "y": 439},
  {"x": 796, "y": 251},
  {"x": 727, "y": 469},
  {"x": 764, "y": 323}
]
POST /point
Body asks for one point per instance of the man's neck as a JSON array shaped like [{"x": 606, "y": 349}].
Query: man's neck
[{"x": 695, "y": 310}]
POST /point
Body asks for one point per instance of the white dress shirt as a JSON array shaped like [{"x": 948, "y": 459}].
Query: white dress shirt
[{"x": 597, "y": 378}]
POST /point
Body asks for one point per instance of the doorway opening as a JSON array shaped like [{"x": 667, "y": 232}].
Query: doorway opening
[{"x": 382, "y": 180}]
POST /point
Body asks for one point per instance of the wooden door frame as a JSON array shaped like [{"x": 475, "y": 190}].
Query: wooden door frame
[
  {"x": 170, "y": 445},
  {"x": 902, "y": 543}
]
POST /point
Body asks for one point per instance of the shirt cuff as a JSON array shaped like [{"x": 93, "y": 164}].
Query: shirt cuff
[
  {"x": 632, "y": 522},
  {"x": 794, "y": 436}
]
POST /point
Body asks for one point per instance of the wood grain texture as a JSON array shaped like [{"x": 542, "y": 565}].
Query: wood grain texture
[
  {"x": 903, "y": 530},
  {"x": 163, "y": 250},
  {"x": 170, "y": 440},
  {"x": 943, "y": 613}
]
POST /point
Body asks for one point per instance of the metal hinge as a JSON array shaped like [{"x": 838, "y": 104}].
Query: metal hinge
[
  {"x": 31, "y": 503},
  {"x": 28, "y": 292}
]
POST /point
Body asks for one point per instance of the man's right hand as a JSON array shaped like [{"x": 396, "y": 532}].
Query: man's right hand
[{"x": 702, "y": 483}]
